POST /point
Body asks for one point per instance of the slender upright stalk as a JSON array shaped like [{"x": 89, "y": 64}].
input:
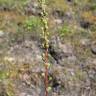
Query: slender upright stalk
[{"x": 46, "y": 42}]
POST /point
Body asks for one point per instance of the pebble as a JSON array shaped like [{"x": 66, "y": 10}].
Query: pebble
[
  {"x": 93, "y": 48},
  {"x": 1, "y": 33}
]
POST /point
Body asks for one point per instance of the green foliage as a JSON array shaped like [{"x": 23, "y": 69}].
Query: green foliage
[
  {"x": 32, "y": 24},
  {"x": 64, "y": 31},
  {"x": 3, "y": 75}
]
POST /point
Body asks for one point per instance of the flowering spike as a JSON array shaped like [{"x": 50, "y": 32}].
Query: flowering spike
[{"x": 45, "y": 34}]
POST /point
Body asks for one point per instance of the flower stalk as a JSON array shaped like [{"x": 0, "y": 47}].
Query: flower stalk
[{"x": 45, "y": 34}]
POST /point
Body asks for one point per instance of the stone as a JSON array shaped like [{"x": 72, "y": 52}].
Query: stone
[
  {"x": 1, "y": 33},
  {"x": 32, "y": 8},
  {"x": 58, "y": 21},
  {"x": 58, "y": 14},
  {"x": 85, "y": 42},
  {"x": 60, "y": 51},
  {"x": 93, "y": 48}
]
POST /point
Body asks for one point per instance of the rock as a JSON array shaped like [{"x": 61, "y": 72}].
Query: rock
[
  {"x": 1, "y": 33},
  {"x": 68, "y": 15},
  {"x": 67, "y": 48},
  {"x": 5, "y": 8},
  {"x": 58, "y": 21},
  {"x": 72, "y": 58},
  {"x": 58, "y": 14},
  {"x": 27, "y": 50},
  {"x": 93, "y": 48},
  {"x": 61, "y": 51},
  {"x": 32, "y": 8},
  {"x": 85, "y": 42}
]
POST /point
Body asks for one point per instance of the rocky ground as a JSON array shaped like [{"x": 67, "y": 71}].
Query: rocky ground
[{"x": 72, "y": 51}]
